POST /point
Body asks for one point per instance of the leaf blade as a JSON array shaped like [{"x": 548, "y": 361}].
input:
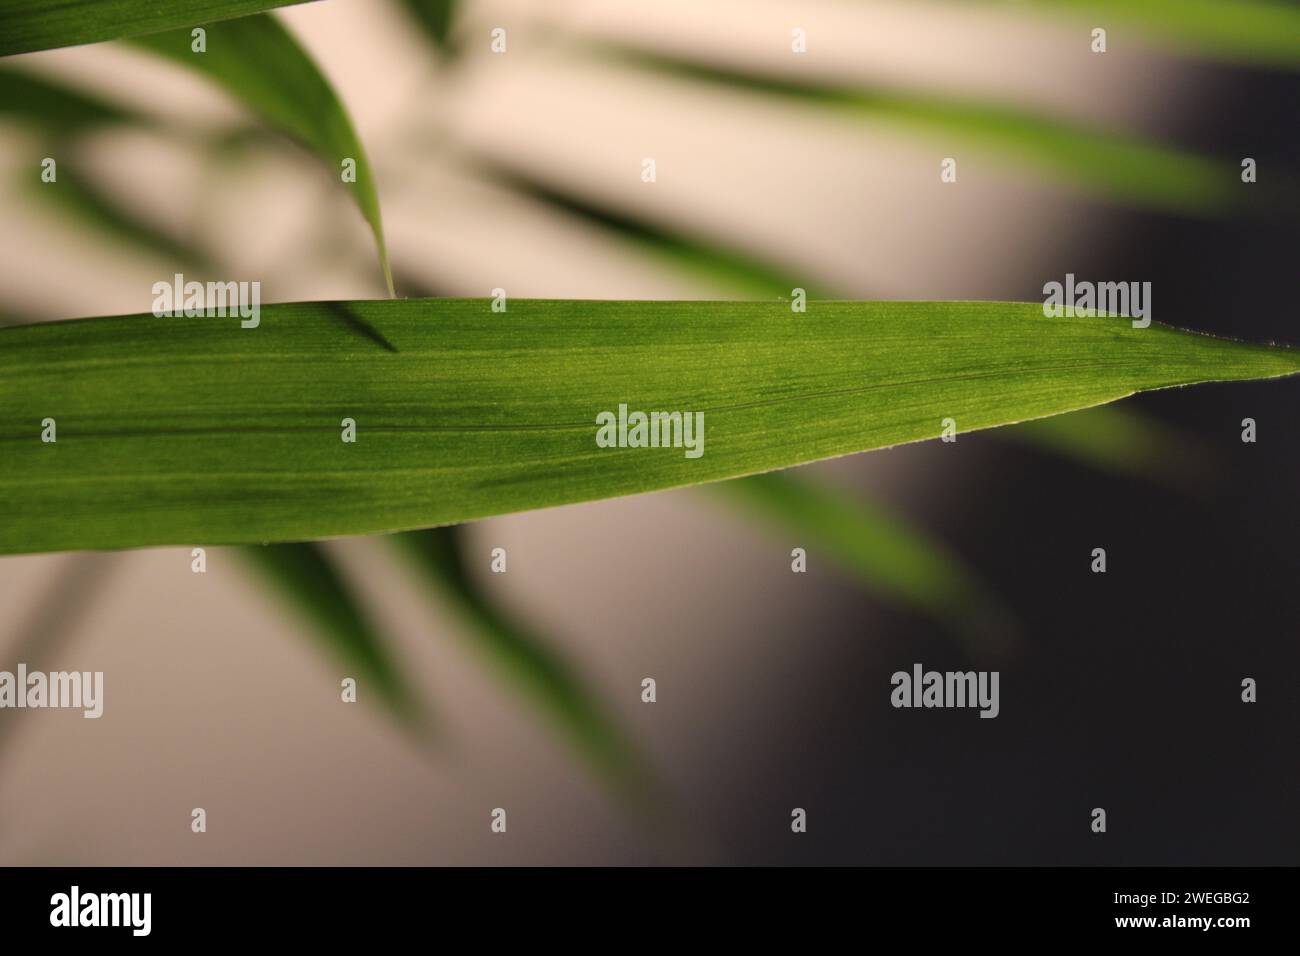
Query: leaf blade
[
  {"x": 523, "y": 658},
  {"x": 30, "y": 98},
  {"x": 719, "y": 264},
  {"x": 1263, "y": 32},
  {"x": 1121, "y": 442},
  {"x": 880, "y": 550},
  {"x": 257, "y": 61},
  {"x": 436, "y": 18},
  {"x": 307, "y": 578},
  {"x": 1107, "y": 163},
  {"x": 49, "y": 24},
  {"x": 172, "y": 430},
  {"x": 81, "y": 200}
]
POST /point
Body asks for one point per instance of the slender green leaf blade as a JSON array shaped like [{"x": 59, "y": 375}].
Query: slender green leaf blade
[
  {"x": 46, "y": 103},
  {"x": 523, "y": 657},
  {"x": 718, "y": 264},
  {"x": 80, "y": 200},
  {"x": 174, "y": 429},
  {"x": 1103, "y": 162},
  {"x": 1266, "y": 32},
  {"x": 435, "y": 18},
  {"x": 1120, "y": 441},
  {"x": 55, "y": 619},
  {"x": 309, "y": 579},
  {"x": 258, "y": 61},
  {"x": 1107, "y": 438},
  {"x": 29, "y": 25},
  {"x": 883, "y": 552}
]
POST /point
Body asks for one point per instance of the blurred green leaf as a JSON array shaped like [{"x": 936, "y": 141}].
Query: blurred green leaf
[
  {"x": 713, "y": 263},
  {"x": 523, "y": 658},
  {"x": 1119, "y": 441},
  {"x": 435, "y": 17},
  {"x": 463, "y": 412},
  {"x": 55, "y": 617},
  {"x": 29, "y": 98},
  {"x": 1108, "y": 164},
  {"x": 258, "y": 61},
  {"x": 306, "y": 576},
  {"x": 28, "y": 25},
  {"x": 1247, "y": 31},
  {"x": 882, "y": 552},
  {"x": 79, "y": 199}
]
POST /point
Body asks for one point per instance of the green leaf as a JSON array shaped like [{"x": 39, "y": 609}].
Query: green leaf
[
  {"x": 43, "y": 635},
  {"x": 435, "y": 18},
  {"x": 258, "y": 61},
  {"x": 32, "y": 99},
  {"x": 884, "y": 553},
  {"x": 1106, "y": 438},
  {"x": 1103, "y": 162},
  {"x": 28, "y": 25},
  {"x": 711, "y": 262},
  {"x": 306, "y": 576},
  {"x": 1251, "y": 31},
  {"x": 1120, "y": 441},
  {"x": 172, "y": 430},
  {"x": 1109, "y": 439},
  {"x": 523, "y": 658},
  {"x": 80, "y": 200}
]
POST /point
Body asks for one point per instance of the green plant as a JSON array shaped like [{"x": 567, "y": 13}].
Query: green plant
[{"x": 493, "y": 412}]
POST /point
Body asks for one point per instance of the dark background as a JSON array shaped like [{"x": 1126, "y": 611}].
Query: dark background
[{"x": 1126, "y": 693}]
